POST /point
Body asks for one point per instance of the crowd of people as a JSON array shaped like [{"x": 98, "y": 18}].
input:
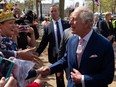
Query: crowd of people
[
  {"x": 106, "y": 26},
  {"x": 80, "y": 46}
]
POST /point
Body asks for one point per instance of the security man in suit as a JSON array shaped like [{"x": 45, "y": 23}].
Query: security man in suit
[
  {"x": 53, "y": 33},
  {"x": 107, "y": 27}
]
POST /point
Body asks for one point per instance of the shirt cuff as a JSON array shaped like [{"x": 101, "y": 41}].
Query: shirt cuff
[
  {"x": 82, "y": 81},
  {"x": 15, "y": 54}
]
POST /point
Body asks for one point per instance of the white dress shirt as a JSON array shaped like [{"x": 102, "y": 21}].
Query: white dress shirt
[
  {"x": 86, "y": 38},
  {"x": 55, "y": 31}
]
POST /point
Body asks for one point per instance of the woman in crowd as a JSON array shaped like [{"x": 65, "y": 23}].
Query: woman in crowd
[{"x": 7, "y": 27}]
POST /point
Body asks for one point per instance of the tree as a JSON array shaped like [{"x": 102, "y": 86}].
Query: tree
[
  {"x": 37, "y": 10},
  {"x": 61, "y": 7},
  {"x": 105, "y": 5}
]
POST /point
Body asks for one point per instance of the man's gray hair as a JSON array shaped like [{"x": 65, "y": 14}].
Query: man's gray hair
[{"x": 86, "y": 15}]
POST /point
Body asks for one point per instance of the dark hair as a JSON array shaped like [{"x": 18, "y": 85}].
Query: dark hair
[
  {"x": 34, "y": 16},
  {"x": 55, "y": 5},
  {"x": 29, "y": 15},
  {"x": 19, "y": 21}
]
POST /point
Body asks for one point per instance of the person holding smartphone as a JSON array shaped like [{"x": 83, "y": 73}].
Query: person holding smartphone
[
  {"x": 12, "y": 82},
  {"x": 24, "y": 34}
]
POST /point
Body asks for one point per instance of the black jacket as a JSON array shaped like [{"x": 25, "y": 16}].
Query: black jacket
[{"x": 49, "y": 37}]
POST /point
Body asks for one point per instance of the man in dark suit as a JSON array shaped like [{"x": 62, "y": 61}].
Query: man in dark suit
[
  {"x": 52, "y": 37},
  {"x": 66, "y": 36},
  {"x": 89, "y": 56},
  {"x": 107, "y": 27}
]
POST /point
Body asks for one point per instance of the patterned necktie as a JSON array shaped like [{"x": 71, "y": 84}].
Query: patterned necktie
[
  {"x": 80, "y": 49},
  {"x": 58, "y": 34}
]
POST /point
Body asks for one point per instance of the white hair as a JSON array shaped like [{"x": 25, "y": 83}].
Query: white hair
[{"x": 85, "y": 14}]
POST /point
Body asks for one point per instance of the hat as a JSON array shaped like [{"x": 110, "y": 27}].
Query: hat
[
  {"x": 27, "y": 22},
  {"x": 22, "y": 21},
  {"x": 19, "y": 21},
  {"x": 5, "y": 16},
  {"x": 6, "y": 13}
]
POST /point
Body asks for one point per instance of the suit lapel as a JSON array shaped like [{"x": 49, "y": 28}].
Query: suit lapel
[
  {"x": 88, "y": 48},
  {"x": 52, "y": 30},
  {"x": 63, "y": 25},
  {"x": 74, "y": 48}
]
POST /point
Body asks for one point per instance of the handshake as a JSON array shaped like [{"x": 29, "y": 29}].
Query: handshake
[{"x": 43, "y": 72}]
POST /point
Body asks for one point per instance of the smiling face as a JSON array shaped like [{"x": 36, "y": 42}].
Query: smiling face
[
  {"x": 77, "y": 26},
  {"x": 7, "y": 28},
  {"x": 80, "y": 21}
]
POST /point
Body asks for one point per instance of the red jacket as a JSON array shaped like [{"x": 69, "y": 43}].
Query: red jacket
[{"x": 33, "y": 84}]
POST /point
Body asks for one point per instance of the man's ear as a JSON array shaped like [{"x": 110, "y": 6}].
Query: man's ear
[{"x": 87, "y": 23}]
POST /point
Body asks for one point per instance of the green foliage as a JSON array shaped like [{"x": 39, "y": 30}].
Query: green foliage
[{"x": 106, "y": 5}]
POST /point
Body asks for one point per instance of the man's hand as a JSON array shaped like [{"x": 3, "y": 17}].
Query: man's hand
[
  {"x": 44, "y": 72},
  {"x": 28, "y": 54},
  {"x": 76, "y": 76},
  {"x": 110, "y": 37}
]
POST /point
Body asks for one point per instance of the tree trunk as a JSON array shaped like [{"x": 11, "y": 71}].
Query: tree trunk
[
  {"x": 61, "y": 7},
  {"x": 37, "y": 10}
]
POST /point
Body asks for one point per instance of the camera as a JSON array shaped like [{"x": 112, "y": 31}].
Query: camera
[
  {"x": 23, "y": 28},
  {"x": 6, "y": 67},
  {"x": 2, "y": 4}
]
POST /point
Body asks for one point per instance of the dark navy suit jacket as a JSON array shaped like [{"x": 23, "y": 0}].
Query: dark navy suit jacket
[
  {"x": 98, "y": 70},
  {"x": 49, "y": 37},
  {"x": 104, "y": 28}
]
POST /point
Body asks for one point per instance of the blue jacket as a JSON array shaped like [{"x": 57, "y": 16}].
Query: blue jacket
[{"x": 98, "y": 71}]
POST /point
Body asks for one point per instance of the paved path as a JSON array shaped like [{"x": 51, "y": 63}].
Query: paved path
[{"x": 114, "y": 81}]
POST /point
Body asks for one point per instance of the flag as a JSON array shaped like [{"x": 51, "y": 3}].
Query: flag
[{"x": 97, "y": 2}]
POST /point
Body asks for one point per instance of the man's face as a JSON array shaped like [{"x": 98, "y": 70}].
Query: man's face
[
  {"x": 16, "y": 11},
  {"x": 77, "y": 26},
  {"x": 54, "y": 12},
  {"x": 109, "y": 17}
]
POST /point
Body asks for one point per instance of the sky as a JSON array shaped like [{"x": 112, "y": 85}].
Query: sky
[{"x": 67, "y": 2}]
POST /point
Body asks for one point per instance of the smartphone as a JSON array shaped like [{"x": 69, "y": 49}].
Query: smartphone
[
  {"x": 6, "y": 67},
  {"x": 23, "y": 28},
  {"x": 2, "y": 5}
]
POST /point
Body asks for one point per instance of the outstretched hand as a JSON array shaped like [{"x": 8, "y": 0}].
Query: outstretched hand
[
  {"x": 43, "y": 71},
  {"x": 28, "y": 54}
]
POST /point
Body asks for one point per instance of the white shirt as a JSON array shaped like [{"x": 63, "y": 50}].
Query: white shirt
[
  {"x": 55, "y": 31},
  {"x": 86, "y": 38}
]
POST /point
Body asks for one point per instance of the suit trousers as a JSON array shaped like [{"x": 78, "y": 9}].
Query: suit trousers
[{"x": 60, "y": 79}]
